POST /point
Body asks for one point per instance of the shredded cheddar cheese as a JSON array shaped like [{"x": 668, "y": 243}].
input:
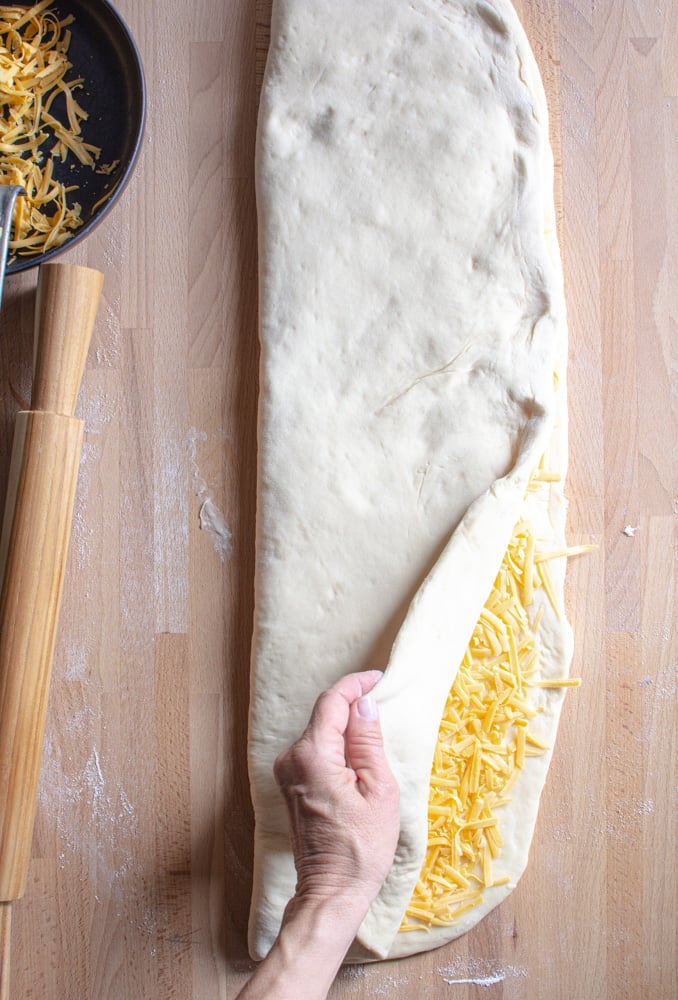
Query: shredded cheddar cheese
[
  {"x": 484, "y": 737},
  {"x": 34, "y": 66}
]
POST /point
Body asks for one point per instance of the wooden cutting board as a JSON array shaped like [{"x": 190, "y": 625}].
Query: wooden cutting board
[{"x": 140, "y": 879}]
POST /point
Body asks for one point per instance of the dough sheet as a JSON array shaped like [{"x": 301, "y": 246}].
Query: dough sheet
[{"x": 412, "y": 326}]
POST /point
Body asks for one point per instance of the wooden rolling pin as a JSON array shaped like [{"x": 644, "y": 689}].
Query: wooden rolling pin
[{"x": 33, "y": 549}]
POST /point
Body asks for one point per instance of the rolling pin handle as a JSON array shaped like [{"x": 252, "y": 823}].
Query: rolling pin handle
[{"x": 65, "y": 309}]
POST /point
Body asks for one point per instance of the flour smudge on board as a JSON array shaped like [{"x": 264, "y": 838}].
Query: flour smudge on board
[
  {"x": 210, "y": 516},
  {"x": 92, "y": 815}
]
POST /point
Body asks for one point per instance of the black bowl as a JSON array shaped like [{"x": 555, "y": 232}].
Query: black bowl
[{"x": 103, "y": 52}]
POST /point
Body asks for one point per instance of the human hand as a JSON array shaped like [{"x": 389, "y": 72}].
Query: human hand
[
  {"x": 342, "y": 798},
  {"x": 343, "y": 804}
]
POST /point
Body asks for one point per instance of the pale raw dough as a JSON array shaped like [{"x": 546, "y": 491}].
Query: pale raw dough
[{"x": 411, "y": 321}]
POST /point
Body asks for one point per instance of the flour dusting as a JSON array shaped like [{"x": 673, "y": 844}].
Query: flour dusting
[
  {"x": 92, "y": 814},
  {"x": 479, "y": 972},
  {"x": 82, "y": 533},
  {"x": 213, "y": 521},
  {"x": 485, "y": 981},
  {"x": 75, "y": 657},
  {"x": 211, "y": 518},
  {"x": 371, "y": 980}
]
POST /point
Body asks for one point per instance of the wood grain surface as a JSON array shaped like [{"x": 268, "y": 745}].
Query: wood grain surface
[{"x": 142, "y": 855}]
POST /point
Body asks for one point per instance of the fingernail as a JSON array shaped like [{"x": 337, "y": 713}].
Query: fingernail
[{"x": 367, "y": 707}]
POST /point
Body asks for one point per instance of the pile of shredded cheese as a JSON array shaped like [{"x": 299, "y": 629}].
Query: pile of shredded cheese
[
  {"x": 484, "y": 736},
  {"x": 34, "y": 64}
]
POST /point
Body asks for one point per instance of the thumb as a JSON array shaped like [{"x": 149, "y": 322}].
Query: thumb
[{"x": 364, "y": 743}]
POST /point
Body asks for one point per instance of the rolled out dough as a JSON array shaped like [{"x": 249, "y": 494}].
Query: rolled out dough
[{"x": 412, "y": 324}]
